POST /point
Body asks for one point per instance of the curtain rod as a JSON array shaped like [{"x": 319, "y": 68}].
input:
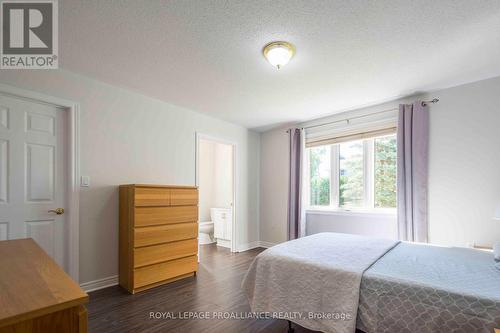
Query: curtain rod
[{"x": 423, "y": 103}]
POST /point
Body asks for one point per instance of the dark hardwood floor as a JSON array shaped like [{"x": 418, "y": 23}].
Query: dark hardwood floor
[{"x": 216, "y": 288}]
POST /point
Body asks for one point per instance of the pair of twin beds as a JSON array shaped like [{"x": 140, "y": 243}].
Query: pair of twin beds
[{"x": 339, "y": 283}]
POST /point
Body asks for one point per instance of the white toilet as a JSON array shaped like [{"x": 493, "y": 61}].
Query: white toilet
[
  {"x": 218, "y": 230},
  {"x": 206, "y": 233}
]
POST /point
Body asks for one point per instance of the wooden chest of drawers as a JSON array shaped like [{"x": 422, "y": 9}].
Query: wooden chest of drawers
[{"x": 158, "y": 235}]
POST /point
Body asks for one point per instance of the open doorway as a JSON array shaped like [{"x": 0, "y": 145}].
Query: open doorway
[{"x": 215, "y": 159}]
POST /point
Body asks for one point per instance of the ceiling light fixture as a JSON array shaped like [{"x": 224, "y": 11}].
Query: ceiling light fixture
[{"x": 278, "y": 53}]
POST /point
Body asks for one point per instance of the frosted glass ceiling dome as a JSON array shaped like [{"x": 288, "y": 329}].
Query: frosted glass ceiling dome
[{"x": 278, "y": 53}]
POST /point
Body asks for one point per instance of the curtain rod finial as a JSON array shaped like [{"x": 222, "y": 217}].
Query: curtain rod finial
[{"x": 433, "y": 101}]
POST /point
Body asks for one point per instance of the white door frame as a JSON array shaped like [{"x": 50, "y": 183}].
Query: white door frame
[
  {"x": 201, "y": 136},
  {"x": 72, "y": 165}
]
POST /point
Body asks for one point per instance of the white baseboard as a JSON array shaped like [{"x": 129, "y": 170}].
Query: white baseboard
[
  {"x": 224, "y": 243},
  {"x": 100, "y": 284},
  {"x": 248, "y": 246},
  {"x": 253, "y": 245},
  {"x": 266, "y": 244}
]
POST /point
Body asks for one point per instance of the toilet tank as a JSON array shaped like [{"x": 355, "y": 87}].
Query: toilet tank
[{"x": 222, "y": 219}]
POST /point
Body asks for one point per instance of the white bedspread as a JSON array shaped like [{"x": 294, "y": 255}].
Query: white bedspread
[{"x": 317, "y": 277}]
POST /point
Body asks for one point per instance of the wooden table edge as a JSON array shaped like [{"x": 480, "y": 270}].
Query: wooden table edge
[{"x": 43, "y": 311}]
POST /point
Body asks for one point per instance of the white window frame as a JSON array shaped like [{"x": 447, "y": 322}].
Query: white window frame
[{"x": 369, "y": 190}]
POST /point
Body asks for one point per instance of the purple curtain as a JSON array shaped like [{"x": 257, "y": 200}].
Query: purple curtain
[
  {"x": 296, "y": 227},
  {"x": 412, "y": 165}
]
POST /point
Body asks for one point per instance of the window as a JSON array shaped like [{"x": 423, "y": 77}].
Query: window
[
  {"x": 357, "y": 174},
  {"x": 351, "y": 177},
  {"x": 320, "y": 174},
  {"x": 385, "y": 172}
]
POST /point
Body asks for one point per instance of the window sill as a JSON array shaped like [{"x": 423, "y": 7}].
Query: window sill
[{"x": 352, "y": 212}]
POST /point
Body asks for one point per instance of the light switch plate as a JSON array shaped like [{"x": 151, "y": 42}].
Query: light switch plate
[{"x": 85, "y": 181}]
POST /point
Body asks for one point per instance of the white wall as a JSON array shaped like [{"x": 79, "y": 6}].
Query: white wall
[
  {"x": 216, "y": 177},
  {"x": 376, "y": 225},
  {"x": 130, "y": 138},
  {"x": 223, "y": 175},
  {"x": 464, "y": 172},
  {"x": 206, "y": 182},
  {"x": 274, "y": 186}
]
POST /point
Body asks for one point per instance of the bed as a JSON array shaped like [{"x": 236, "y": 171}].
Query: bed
[{"x": 339, "y": 283}]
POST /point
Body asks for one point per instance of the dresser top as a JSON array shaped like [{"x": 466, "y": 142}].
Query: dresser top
[
  {"x": 32, "y": 284},
  {"x": 161, "y": 186}
]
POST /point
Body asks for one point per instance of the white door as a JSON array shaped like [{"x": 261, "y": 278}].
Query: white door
[{"x": 32, "y": 175}]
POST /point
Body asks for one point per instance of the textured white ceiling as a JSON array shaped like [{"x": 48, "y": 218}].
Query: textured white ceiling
[{"x": 206, "y": 55}]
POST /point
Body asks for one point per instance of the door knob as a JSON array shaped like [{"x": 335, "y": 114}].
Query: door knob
[{"x": 58, "y": 211}]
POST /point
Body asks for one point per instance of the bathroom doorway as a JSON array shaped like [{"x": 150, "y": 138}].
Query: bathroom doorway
[{"x": 215, "y": 178}]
